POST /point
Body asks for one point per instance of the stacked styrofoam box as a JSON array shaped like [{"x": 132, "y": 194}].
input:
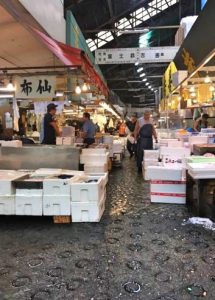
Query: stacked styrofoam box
[
  {"x": 202, "y": 170},
  {"x": 108, "y": 140},
  {"x": 95, "y": 160},
  {"x": 197, "y": 140},
  {"x": 29, "y": 197},
  {"x": 57, "y": 194},
  {"x": 88, "y": 195},
  {"x": 150, "y": 158},
  {"x": 117, "y": 147},
  {"x": 167, "y": 184},
  {"x": 177, "y": 152},
  {"x": 7, "y": 191},
  {"x": 14, "y": 144},
  {"x": 66, "y": 141}
]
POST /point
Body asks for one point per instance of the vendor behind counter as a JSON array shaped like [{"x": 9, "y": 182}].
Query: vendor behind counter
[{"x": 50, "y": 129}]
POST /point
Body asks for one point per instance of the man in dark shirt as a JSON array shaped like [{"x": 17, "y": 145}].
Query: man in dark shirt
[
  {"x": 131, "y": 127},
  {"x": 50, "y": 127},
  {"x": 88, "y": 130}
]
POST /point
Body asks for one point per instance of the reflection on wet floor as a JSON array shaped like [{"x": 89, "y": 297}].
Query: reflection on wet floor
[{"x": 138, "y": 251}]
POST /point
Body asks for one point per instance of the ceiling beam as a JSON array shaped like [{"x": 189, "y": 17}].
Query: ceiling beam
[{"x": 110, "y": 7}]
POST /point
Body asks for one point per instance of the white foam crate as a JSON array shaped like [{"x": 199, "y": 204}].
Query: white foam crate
[
  {"x": 29, "y": 202},
  {"x": 47, "y": 171},
  {"x": 175, "y": 144},
  {"x": 56, "y": 186},
  {"x": 6, "y": 182},
  {"x": 171, "y": 187},
  {"x": 87, "y": 192},
  {"x": 197, "y": 140},
  {"x": 180, "y": 152},
  {"x": 94, "y": 158},
  {"x": 88, "y": 212},
  {"x": 14, "y": 144},
  {"x": 104, "y": 175},
  {"x": 150, "y": 162},
  {"x": 7, "y": 205},
  {"x": 151, "y": 155},
  {"x": 94, "y": 151},
  {"x": 164, "y": 173},
  {"x": 108, "y": 139},
  {"x": 96, "y": 168},
  {"x": 59, "y": 205},
  {"x": 168, "y": 199}
]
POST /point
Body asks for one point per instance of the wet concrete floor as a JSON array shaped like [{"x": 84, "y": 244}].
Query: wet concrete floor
[{"x": 138, "y": 251}]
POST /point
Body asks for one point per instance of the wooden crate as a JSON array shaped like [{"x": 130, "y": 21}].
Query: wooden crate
[{"x": 62, "y": 219}]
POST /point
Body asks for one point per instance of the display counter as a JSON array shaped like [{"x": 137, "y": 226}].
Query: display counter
[
  {"x": 203, "y": 149},
  {"x": 39, "y": 156}
]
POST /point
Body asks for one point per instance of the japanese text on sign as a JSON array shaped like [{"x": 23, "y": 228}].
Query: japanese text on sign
[{"x": 35, "y": 87}]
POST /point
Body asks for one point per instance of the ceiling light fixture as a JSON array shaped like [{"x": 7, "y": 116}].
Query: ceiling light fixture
[
  {"x": 147, "y": 83},
  {"x": 78, "y": 89},
  {"x": 143, "y": 74},
  {"x": 140, "y": 69},
  {"x": 211, "y": 88},
  {"x": 10, "y": 86},
  {"x": 207, "y": 79},
  {"x": 136, "y": 63},
  {"x": 144, "y": 79},
  {"x": 84, "y": 87},
  {"x": 59, "y": 93}
]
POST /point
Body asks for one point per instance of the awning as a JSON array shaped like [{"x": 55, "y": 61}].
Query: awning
[{"x": 72, "y": 57}]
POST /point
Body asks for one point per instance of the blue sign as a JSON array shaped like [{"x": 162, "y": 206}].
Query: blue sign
[{"x": 203, "y": 3}]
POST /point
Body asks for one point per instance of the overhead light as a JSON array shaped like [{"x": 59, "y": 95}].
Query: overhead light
[
  {"x": 59, "y": 93},
  {"x": 149, "y": 86},
  {"x": 179, "y": 98},
  {"x": 78, "y": 89},
  {"x": 193, "y": 94},
  {"x": 147, "y": 83},
  {"x": 140, "y": 69},
  {"x": 143, "y": 74},
  {"x": 207, "y": 79},
  {"x": 85, "y": 87},
  {"x": 134, "y": 31},
  {"x": 144, "y": 79},
  {"x": 192, "y": 89},
  {"x": 2, "y": 96},
  {"x": 136, "y": 63},
  {"x": 211, "y": 88},
  {"x": 10, "y": 86}
]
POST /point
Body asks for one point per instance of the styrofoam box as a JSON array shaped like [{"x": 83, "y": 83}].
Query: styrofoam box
[
  {"x": 104, "y": 175},
  {"x": 108, "y": 139},
  {"x": 94, "y": 151},
  {"x": 87, "y": 192},
  {"x": 7, "y": 205},
  {"x": 168, "y": 199},
  {"x": 150, "y": 162},
  {"x": 29, "y": 202},
  {"x": 58, "y": 205},
  {"x": 151, "y": 154},
  {"x": 55, "y": 186},
  {"x": 175, "y": 152},
  {"x": 175, "y": 144},
  {"x": 68, "y": 131},
  {"x": 6, "y": 182},
  {"x": 67, "y": 141},
  {"x": 47, "y": 171},
  {"x": 197, "y": 140},
  {"x": 98, "y": 168},
  {"x": 164, "y": 173},
  {"x": 59, "y": 141},
  {"x": 173, "y": 187},
  {"x": 88, "y": 212},
  {"x": 94, "y": 158},
  {"x": 15, "y": 144}
]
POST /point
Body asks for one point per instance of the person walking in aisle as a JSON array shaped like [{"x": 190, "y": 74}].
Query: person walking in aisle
[
  {"x": 130, "y": 138},
  {"x": 50, "y": 128},
  {"x": 88, "y": 130},
  {"x": 143, "y": 134}
]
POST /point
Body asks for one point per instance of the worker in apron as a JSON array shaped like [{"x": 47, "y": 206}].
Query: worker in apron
[{"x": 144, "y": 133}]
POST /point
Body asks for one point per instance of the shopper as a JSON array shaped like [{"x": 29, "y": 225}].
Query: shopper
[
  {"x": 131, "y": 124},
  {"x": 122, "y": 130},
  {"x": 201, "y": 122},
  {"x": 143, "y": 134},
  {"x": 50, "y": 128},
  {"x": 88, "y": 130}
]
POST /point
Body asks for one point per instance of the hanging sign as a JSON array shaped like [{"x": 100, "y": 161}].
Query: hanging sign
[
  {"x": 132, "y": 55},
  {"x": 35, "y": 87}
]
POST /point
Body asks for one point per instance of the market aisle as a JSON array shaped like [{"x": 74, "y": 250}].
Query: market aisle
[{"x": 135, "y": 242}]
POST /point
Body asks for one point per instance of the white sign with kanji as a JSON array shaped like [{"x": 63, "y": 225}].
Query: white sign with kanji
[
  {"x": 32, "y": 87},
  {"x": 132, "y": 55}
]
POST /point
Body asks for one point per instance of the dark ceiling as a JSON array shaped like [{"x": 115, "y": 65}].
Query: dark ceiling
[{"x": 96, "y": 15}]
